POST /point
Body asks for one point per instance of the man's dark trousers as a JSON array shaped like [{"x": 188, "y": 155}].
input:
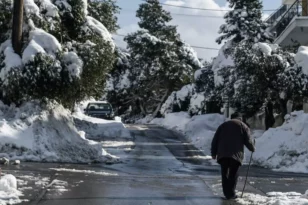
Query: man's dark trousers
[{"x": 229, "y": 173}]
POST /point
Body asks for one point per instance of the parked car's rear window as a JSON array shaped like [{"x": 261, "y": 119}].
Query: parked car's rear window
[{"x": 99, "y": 107}]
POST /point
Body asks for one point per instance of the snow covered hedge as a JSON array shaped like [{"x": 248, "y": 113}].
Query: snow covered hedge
[{"x": 65, "y": 56}]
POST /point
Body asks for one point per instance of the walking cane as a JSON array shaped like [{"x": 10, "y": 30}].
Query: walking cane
[{"x": 247, "y": 174}]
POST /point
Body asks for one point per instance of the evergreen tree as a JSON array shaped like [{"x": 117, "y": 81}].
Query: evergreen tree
[
  {"x": 105, "y": 12},
  {"x": 119, "y": 92},
  {"x": 160, "y": 61},
  {"x": 244, "y": 22}
]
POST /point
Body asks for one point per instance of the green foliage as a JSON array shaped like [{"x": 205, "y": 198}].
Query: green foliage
[
  {"x": 5, "y": 19},
  {"x": 105, "y": 11},
  {"x": 98, "y": 60},
  {"x": 34, "y": 80}
]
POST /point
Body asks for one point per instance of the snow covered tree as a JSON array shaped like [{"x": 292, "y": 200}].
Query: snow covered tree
[
  {"x": 244, "y": 22},
  {"x": 261, "y": 76},
  {"x": 118, "y": 89},
  {"x": 160, "y": 60},
  {"x": 104, "y": 11},
  {"x": 66, "y": 54}
]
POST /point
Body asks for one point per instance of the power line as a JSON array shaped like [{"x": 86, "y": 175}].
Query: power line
[
  {"x": 187, "y": 15},
  {"x": 205, "y": 9},
  {"x": 199, "y": 47}
]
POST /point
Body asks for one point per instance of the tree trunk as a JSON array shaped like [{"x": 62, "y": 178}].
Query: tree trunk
[
  {"x": 17, "y": 26},
  {"x": 269, "y": 115},
  {"x": 164, "y": 98},
  {"x": 142, "y": 108}
]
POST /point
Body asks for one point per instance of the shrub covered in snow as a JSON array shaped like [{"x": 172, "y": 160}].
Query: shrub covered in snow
[{"x": 66, "y": 52}]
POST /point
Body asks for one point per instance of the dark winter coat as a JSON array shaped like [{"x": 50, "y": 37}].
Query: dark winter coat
[{"x": 230, "y": 139}]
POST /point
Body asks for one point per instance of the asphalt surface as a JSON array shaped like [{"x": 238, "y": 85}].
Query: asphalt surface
[{"x": 159, "y": 168}]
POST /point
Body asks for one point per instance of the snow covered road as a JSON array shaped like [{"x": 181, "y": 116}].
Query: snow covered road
[{"x": 158, "y": 168}]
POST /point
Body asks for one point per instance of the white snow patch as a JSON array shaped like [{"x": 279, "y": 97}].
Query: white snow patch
[
  {"x": 301, "y": 58},
  {"x": 83, "y": 171},
  {"x": 8, "y": 190},
  {"x": 98, "y": 28},
  {"x": 40, "y": 42},
  {"x": 273, "y": 198},
  {"x": 221, "y": 62},
  {"x": 74, "y": 63},
  {"x": 11, "y": 60},
  {"x": 264, "y": 47},
  {"x": 50, "y": 8},
  {"x": 31, "y": 8}
]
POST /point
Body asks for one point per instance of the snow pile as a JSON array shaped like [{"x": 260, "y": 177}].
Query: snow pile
[
  {"x": 8, "y": 190},
  {"x": 199, "y": 129},
  {"x": 34, "y": 133},
  {"x": 285, "y": 148},
  {"x": 301, "y": 58},
  {"x": 100, "y": 129}
]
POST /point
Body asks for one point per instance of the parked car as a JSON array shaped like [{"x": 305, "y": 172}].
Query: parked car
[{"x": 101, "y": 110}]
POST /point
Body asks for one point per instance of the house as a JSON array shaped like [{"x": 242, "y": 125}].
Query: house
[{"x": 290, "y": 23}]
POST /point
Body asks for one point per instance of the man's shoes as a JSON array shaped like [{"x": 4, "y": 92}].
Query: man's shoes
[{"x": 232, "y": 198}]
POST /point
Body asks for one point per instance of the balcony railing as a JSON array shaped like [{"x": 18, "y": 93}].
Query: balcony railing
[
  {"x": 296, "y": 9},
  {"x": 275, "y": 16}
]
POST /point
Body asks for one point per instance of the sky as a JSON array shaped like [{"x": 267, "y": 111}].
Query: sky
[{"x": 196, "y": 31}]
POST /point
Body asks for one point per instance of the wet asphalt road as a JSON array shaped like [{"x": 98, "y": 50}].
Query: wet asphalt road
[{"x": 158, "y": 169}]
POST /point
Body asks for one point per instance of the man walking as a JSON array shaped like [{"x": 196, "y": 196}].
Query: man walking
[{"x": 228, "y": 148}]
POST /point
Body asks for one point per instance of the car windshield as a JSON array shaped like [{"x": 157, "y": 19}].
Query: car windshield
[{"x": 99, "y": 107}]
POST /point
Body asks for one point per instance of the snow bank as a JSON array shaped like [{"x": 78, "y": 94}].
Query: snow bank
[
  {"x": 33, "y": 133},
  {"x": 274, "y": 198},
  {"x": 8, "y": 190},
  {"x": 285, "y": 148},
  {"x": 100, "y": 129},
  {"x": 301, "y": 58},
  {"x": 199, "y": 129}
]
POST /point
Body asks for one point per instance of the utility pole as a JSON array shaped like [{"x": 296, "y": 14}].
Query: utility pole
[{"x": 17, "y": 25}]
